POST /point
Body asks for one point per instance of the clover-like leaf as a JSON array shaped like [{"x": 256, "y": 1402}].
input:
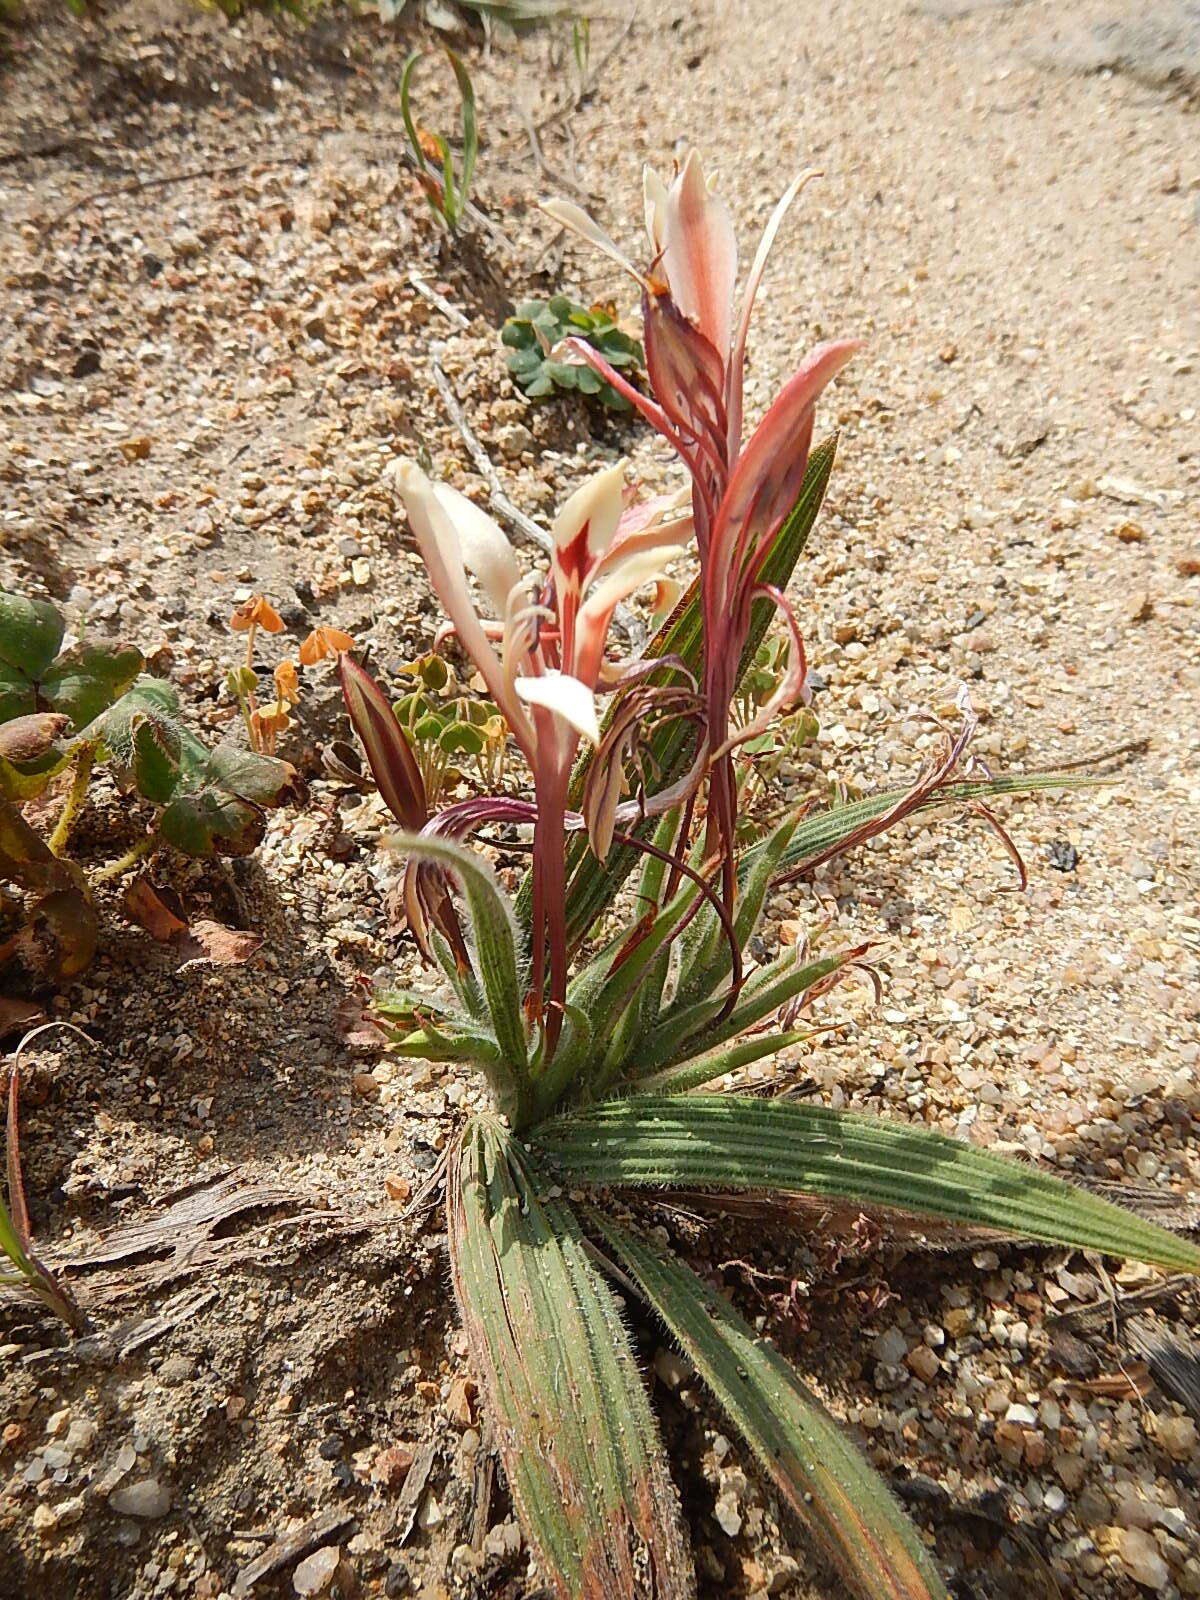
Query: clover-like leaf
[
  {"x": 217, "y": 806},
  {"x": 59, "y": 936},
  {"x": 156, "y": 760},
  {"x": 462, "y": 738},
  {"x": 79, "y": 684},
  {"x": 32, "y": 752},
  {"x": 536, "y": 328},
  {"x": 148, "y": 700}
]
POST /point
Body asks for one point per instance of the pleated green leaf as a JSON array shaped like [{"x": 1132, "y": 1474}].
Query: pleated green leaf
[
  {"x": 842, "y": 1500},
  {"x": 823, "y": 831},
  {"x": 705, "y": 961},
  {"x": 572, "y": 1418},
  {"x": 682, "y": 1035},
  {"x": 731, "y": 1142},
  {"x": 495, "y": 941},
  {"x": 702, "y": 1069}
]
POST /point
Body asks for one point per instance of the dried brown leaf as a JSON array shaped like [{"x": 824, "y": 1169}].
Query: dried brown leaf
[
  {"x": 211, "y": 941},
  {"x": 154, "y": 909}
]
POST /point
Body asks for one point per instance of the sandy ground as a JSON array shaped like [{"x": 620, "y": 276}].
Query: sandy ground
[{"x": 1013, "y": 508}]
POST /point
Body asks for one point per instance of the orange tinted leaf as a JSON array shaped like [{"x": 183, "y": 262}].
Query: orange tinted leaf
[
  {"x": 322, "y": 643},
  {"x": 287, "y": 682},
  {"x": 256, "y": 612},
  {"x": 146, "y": 905}
]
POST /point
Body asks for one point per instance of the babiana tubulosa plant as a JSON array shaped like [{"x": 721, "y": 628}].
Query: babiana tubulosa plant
[{"x": 602, "y": 1021}]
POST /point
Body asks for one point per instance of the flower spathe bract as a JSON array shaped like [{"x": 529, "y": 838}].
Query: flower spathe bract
[{"x": 695, "y": 360}]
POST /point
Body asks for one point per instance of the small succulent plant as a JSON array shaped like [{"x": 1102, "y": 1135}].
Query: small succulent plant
[
  {"x": 92, "y": 705},
  {"x": 536, "y": 329}
]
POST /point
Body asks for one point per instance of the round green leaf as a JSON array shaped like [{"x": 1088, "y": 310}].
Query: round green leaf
[
  {"x": 210, "y": 823},
  {"x": 435, "y": 674},
  {"x": 17, "y": 695},
  {"x": 31, "y": 633},
  {"x": 88, "y": 678},
  {"x": 155, "y": 764},
  {"x": 461, "y": 738}
]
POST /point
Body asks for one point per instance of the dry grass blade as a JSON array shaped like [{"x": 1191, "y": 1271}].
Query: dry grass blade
[
  {"x": 572, "y": 1418},
  {"x": 822, "y": 1477}
]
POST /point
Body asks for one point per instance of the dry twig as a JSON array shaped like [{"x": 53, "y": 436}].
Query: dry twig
[
  {"x": 438, "y": 301},
  {"x": 500, "y": 502}
]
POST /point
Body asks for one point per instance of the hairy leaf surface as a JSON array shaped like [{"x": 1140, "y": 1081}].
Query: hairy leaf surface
[
  {"x": 572, "y": 1417},
  {"x": 495, "y": 942},
  {"x": 731, "y": 1142},
  {"x": 818, "y": 1471}
]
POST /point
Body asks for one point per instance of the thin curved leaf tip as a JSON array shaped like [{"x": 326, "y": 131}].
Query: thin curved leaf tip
[{"x": 392, "y": 762}]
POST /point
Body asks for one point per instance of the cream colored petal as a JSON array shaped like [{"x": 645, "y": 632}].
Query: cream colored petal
[
  {"x": 438, "y": 541},
  {"x": 591, "y": 628},
  {"x": 576, "y": 219},
  {"x": 569, "y": 699},
  {"x": 626, "y": 577},
  {"x": 655, "y": 193},
  {"x": 486, "y": 552},
  {"x": 597, "y": 505}
]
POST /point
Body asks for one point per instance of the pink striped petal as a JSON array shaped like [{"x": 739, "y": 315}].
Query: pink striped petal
[
  {"x": 737, "y": 361},
  {"x": 700, "y": 254},
  {"x": 578, "y": 353},
  {"x": 791, "y": 686},
  {"x": 687, "y": 376},
  {"x": 771, "y": 468}
]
